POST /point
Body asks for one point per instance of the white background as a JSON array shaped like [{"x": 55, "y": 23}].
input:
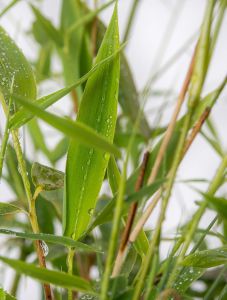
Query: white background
[{"x": 152, "y": 26}]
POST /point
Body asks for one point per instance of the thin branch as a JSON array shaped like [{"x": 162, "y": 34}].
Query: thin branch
[
  {"x": 130, "y": 20},
  {"x": 170, "y": 129},
  {"x": 196, "y": 129}
]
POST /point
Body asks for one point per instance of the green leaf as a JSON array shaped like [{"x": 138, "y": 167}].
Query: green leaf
[
  {"x": 7, "y": 208},
  {"x": 14, "y": 70},
  {"x": 207, "y": 258},
  {"x": 23, "y": 115},
  {"x": 85, "y": 168},
  {"x": 47, "y": 178},
  {"x": 54, "y": 277},
  {"x": 128, "y": 95},
  {"x": 75, "y": 130},
  {"x": 187, "y": 276},
  {"x": 51, "y": 238}
]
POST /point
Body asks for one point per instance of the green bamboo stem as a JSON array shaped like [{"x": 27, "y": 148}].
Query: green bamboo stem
[
  {"x": 70, "y": 259},
  {"x": 31, "y": 201}
]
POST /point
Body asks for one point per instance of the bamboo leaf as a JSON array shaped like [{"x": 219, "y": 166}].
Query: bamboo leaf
[
  {"x": 207, "y": 258},
  {"x": 14, "y": 69},
  {"x": 54, "y": 277},
  {"x": 187, "y": 277},
  {"x": 98, "y": 109},
  {"x": 128, "y": 95},
  {"x": 7, "y": 208},
  {"x": 75, "y": 130},
  {"x": 51, "y": 238},
  {"x": 47, "y": 178}
]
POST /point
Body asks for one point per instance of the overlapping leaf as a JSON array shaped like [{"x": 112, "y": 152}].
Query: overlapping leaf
[
  {"x": 54, "y": 277},
  {"x": 86, "y": 167}
]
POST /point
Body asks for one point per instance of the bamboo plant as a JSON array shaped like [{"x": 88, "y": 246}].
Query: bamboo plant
[{"x": 61, "y": 222}]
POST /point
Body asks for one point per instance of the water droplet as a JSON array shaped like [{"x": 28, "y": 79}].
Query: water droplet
[
  {"x": 106, "y": 156},
  {"x": 91, "y": 212},
  {"x": 45, "y": 248}
]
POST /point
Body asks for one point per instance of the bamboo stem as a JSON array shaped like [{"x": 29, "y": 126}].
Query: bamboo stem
[{"x": 32, "y": 210}]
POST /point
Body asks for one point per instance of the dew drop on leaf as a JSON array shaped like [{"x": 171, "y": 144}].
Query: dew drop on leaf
[{"x": 91, "y": 212}]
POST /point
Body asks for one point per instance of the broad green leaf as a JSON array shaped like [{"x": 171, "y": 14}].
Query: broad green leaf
[
  {"x": 54, "y": 277},
  {"x": 187, "y": 276},
  {"x": 85, "y": 168},
  {"x": 75, "y": 130},
  {"x": 15, "y": 71},
  {"x": 7, "y": 208},
  {"x": 23, "y": 116},
  {"x": 128, "y": 95},
  {"x": 5, "y": 296},
  {"x": 47, "y": 178},
  {"x": 51, "y": 238},
  {"x": 207, "y": 258}
]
